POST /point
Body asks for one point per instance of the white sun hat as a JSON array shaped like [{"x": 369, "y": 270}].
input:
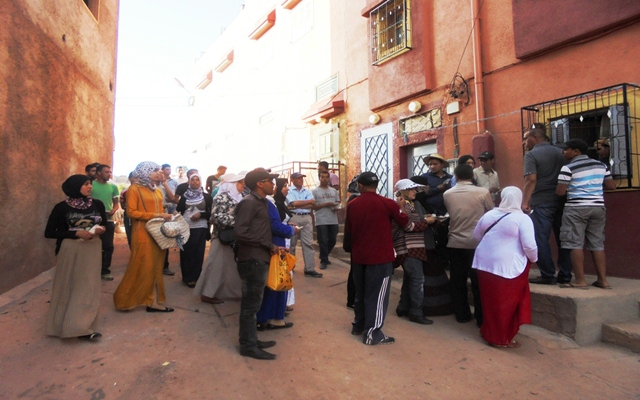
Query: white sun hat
[{"x": 406, "y": 184}]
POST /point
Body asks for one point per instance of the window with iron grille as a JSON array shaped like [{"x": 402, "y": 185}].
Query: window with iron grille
[
  {"x": 390, "y": 30},
  {"x": 611, "y": 114}
]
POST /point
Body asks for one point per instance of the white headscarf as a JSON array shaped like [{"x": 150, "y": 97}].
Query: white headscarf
[
  {"x": 511, "y": 200},
  {"x": 228, "y": 185}
]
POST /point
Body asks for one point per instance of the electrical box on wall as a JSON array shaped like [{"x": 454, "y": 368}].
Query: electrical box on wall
[{"x": 453, "y": 107}]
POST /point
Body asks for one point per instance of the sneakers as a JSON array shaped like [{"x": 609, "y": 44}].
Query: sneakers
[
  {"x": 167, "y": 271},
  {"x": 323, "y": 266},
  {"x": 106, "y": 277},
  {"x": 313, "y": 274},
  {"x": 385, "y": 340}
]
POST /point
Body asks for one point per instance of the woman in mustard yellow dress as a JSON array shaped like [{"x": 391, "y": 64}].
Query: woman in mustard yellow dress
[{"x": 142, "y": 283}]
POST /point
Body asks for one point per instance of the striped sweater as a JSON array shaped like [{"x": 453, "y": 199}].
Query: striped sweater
[{"x": 584, "y": 177}]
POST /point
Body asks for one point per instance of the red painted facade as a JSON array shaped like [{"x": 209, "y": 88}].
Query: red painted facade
[{"x": 522, "y": 57}]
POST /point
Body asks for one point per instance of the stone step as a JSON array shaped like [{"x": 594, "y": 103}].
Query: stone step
[
  {"x": 625, "y": 335},
  {"x": 580, "y": 314}
]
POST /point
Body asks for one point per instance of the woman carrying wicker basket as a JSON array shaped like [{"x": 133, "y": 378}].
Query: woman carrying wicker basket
[{"x": 142, "y": 282}]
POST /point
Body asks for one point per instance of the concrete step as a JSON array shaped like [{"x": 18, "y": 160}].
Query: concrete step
[
  {"x": 580, "y": 314},
  {"x": 625, "y": 335}
]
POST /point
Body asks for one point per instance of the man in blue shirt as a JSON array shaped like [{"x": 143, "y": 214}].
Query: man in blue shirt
[{"x": 301, "y": 202}]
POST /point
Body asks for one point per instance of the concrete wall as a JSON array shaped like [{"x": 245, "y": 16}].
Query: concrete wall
[{"x": 57, "y": 84}]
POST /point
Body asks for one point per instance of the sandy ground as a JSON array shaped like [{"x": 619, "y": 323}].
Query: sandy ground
[{"x": 193, "y": 353}]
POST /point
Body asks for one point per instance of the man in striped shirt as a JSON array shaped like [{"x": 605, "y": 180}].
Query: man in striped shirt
[{"x": 582, "y": 180}]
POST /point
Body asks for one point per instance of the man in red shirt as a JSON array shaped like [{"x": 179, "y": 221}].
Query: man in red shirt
[{"x": 368, "y": 225}]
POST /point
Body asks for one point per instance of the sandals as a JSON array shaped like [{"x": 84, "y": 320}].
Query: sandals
[
  {"x": 286, "y": 325},
  {"x": 166, "y": 309},
  {"x": 512, "y": 345},
  {"x": 572, "y": 286},
  {"x": 600, "y": 285},
  {"x": 91, "y": 337}
]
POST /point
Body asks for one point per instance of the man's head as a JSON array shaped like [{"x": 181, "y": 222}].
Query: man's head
[
  {"x": 367, "y": 182},
  {"x": 463, "y": 172},
  {"x": 297, "y": 179},
  {"x": 221, "y": 171},
  {"x": 486, "y": 161},
  {"x": 103, "y": 173},
  {"x": 574, "y": 147},
  {"x": 180, "y": 172},
  {"x": 436, "y": 163},
  {"x": 261, "y": 181},
  {"x": 191, "y": 172},
  {"x": 323, "y": 166},
  {"x": 90, "y": 170},
  {"x": 324, "y": 178},
  {"x": 166, "y": 170},
  {"x": 603, "y": 148},
  {"x": 534, "y": 135}
]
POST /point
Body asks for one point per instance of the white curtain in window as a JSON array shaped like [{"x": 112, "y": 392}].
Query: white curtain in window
[{"x": 618, "y": 142}]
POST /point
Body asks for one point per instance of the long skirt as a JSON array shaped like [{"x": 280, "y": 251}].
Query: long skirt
[
  {"x": 75, "y": 297},
  {"x": 437, "y": 292},
  {"x": 192, "y": 257},
  {"x": 219, "y": 277},
  {"x": 506, "y": 304},
  {"x": 274, "y": 305}
]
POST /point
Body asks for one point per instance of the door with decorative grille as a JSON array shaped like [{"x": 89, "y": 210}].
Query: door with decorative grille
[
  {"x": 377, "y": 156},
  {"x": 415, "y": 158}
]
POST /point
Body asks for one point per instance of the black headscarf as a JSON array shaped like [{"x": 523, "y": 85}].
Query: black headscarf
[
  {"x": 280, "y": 198},
  {"x": 71, "y": 187}
]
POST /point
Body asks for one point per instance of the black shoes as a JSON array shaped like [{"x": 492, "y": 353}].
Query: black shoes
[
  {"x": 350, "y": 306},
  {"x": 313, "y": 274},
  {"x": 543, "y": 281},
  {"x": 166, "y": 309},
  {"x": 464, "y": 319},
  {"x": 356, "y": 331},
  {"x": 92, "y": 337},
  {"x": 167, "y": 271},
  {"x": 420, "y": 319},
  {"x": 266, "y": 345},
  {"x": 258, "y": 354},
  {"x": 385, "y": 340},
  {"x": 401, "y": 313},
  {"x": 323, "y": 266}
]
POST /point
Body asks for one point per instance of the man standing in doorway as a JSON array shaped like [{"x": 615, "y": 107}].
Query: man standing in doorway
[
  {"x": 301, "y": 200},
  {"x": 107, "y": 193},
  {"x": 327, "y": 199},
  {"x": 542, "y": 164},
  {"x": 252, "y": 233},
  {"x": 334, "y": 181},
  {"x": 486, "y": 176},
  {"x": 368, "y": 237}
]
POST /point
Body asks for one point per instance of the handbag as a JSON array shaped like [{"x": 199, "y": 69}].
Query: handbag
[
  {"x": 168, "y": 234},
  {"x": 226, "y": 236},
  {"x": 280, "y": 267}
]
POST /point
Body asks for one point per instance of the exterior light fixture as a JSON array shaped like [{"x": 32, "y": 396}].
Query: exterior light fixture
[
  {"x": 374, "y": 119},
  {"x": 320, "y": 120},
  {"x": 415, "y": 106}
]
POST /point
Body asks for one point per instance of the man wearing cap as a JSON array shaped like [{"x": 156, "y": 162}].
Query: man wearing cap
[
  {"x": 327, "y": 199},
  {"x": 368, "y": 237},
  {"x": 584, "y": 214},
  {"x": 486, "y": 176},
  {"x": 466, "y": 204},
  {"x": 301, "y": 201},
  {"x": 252, "y": 232},
  {"x": 439, "y": 182},
  {"x": 542, "y": 164}
]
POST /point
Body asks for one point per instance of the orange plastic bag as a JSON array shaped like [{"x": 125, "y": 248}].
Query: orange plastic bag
[{"x": 280, "y": 268}]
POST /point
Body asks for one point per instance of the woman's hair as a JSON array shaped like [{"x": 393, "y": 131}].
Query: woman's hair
[
  {"x": 465, "y": 158},
  {"x": 280, "y": 182}
]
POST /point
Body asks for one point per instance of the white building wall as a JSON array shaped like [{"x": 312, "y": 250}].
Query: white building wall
[{"x": 250, "y": 114}]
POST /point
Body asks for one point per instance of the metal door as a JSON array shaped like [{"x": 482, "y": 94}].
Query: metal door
[{"x": 376, "y": 156}]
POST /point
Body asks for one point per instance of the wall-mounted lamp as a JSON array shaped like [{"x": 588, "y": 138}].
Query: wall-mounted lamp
[
  {"x": 415, "y": 106},
  {"x": 320, "y": 120},
  {"x": 374, "y": 119}
]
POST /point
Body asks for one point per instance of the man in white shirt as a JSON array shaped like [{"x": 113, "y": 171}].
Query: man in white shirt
[{"x": 486, "y": 176}]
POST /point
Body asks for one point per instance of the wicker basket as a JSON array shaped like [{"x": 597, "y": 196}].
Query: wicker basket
[{"x": 168, "y": 234}]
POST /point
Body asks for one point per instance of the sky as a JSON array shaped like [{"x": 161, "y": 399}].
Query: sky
[{"x": 159, "y": 42}]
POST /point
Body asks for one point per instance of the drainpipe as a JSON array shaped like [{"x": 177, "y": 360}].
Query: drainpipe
[{"x": 478, "y": 81}]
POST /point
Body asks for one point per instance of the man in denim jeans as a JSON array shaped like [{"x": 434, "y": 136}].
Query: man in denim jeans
[
  {"x": 542, "y": 164},
  {"x": 327, "y": 199},
  {"x": 252, "y": 233}
]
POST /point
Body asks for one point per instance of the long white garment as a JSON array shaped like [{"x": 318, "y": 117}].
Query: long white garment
[{"x": 504, "y": 250}]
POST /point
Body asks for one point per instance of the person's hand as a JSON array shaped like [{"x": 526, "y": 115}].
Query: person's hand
[
  {"x": 494, "y": 190},
  {"x": 430, "y": 220},
  {"x": 526, "y": 209},
  {"x": 111, "y": 212},
  {"x": 274, "y": 249},
  {"x": 195, "y": 217},
  {"x": 296, "y": 230},
  {"x": 166, "y": 217},
  {"x": 99, "y": 230},
  {"x": 85, "y": 235}
]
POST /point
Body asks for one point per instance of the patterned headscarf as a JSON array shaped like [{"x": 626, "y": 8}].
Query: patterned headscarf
[
  {"x": 194, "y": 196},
  {"x": 143, "y": 172},
  {"x": 71, "y": 187}
]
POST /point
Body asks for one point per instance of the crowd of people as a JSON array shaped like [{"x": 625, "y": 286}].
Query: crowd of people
[{"x": 438, "y": 222}]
